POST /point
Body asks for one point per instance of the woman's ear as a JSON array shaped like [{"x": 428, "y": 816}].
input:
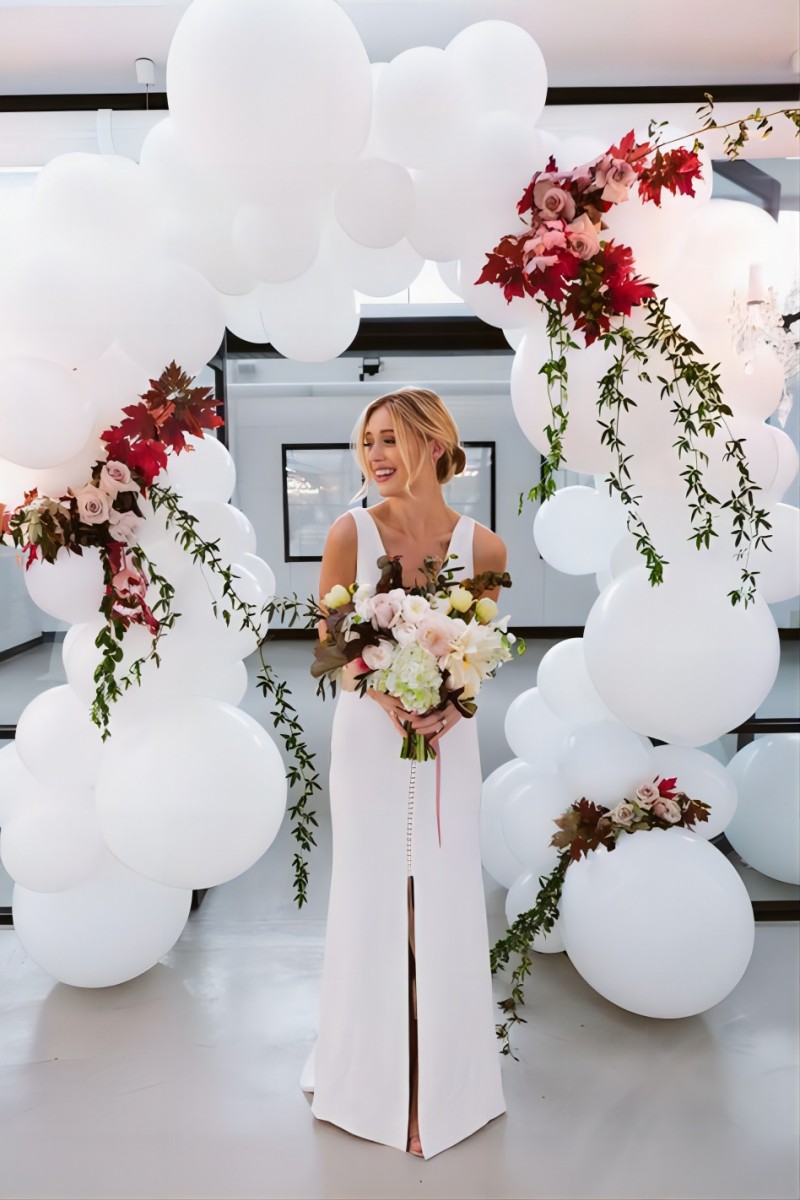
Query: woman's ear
[{"x": 437, "y": 449}]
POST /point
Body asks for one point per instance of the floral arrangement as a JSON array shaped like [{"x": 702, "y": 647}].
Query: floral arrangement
[
  {"x": 582, "y": 828},
  {"x": 588, "y": 284},
  {"x": 426, "y": 646},
  {"x": 105, "y": 513}
]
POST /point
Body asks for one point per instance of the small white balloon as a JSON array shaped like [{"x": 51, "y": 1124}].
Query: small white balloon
[
  {"x": 701, "y": 777},
  {"x": 778, "y": 560},
  {"x": 605, "y": 762},
  {"x": 503, "y": 866},
  {"x": 110, "y": 928},
  {"x": 57, "y": 741},
  {"x": 374, "y": 203},
  {"x": 501, "y": 67},
  {"x": 651, "y": 947},
  {"x": 51, "y": 847},
  {"x": 71, "y": 588},
  {"x": 534, "y": 732},
  {"x": 565, "y": 686},
  {"x": 528, "y": 819},
  {"x": 788, "y": 464},
  {"x": 577, "y": 528},
  {"x": 765, "y": 829},
  {"x": 203, "y": 471}
]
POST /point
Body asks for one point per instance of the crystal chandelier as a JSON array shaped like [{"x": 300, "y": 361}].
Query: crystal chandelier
[{"x": 758, "y": 321}]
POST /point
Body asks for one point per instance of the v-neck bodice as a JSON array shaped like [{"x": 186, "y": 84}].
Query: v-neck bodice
[{"x": 371, "y": 547}]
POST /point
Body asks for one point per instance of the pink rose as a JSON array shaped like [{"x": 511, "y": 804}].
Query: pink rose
[
  {"x": 93, "y": 505},
  {"x": 115, "y": 477},
  {"x": 435, "y": 634},
  {"x": 385, "y": 607},
  {"x": 128, "y": 582},
  {"x": 583, "y": 239},
  {"x": 378, "y": 657},
  {"x": 615, "y": 176},
  {"x": 124, "y": 526},
  {"x": 667, "y": 810},
  {"x": 623, "y": 814},
  {"x": 646, "y": 795},
  {"x": 553, "y": 201}
]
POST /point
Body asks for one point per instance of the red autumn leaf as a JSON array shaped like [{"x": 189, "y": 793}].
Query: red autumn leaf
[
  {"x": 504, "y": 266},
  {"x": 147, "y": 458},
  {"x": 628, "y": 149},
  {"x": 676, "y": 171},
  {"x": 666, "y": 787},
  {"x": 138, "y": 423}
]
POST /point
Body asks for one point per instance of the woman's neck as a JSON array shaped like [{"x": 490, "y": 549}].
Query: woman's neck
[{"x": 419, "y": 515}]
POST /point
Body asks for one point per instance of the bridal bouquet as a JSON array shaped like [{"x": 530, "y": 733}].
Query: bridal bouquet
[{"x": 426, "y": 646}]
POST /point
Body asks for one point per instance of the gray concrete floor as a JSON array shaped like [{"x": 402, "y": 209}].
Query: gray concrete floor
[{"x": 184, "y": 1082}]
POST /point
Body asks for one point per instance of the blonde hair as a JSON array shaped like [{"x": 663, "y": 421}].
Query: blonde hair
[{"x": 418, "y": 417}]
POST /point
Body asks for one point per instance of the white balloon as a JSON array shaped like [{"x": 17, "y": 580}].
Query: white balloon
[
  {"x": 420, "y": 117},
  {"x": 534, "y": 733},
  {"x": 203, "y": 471},
  {"x": 312, "y": 318},
  {"x": 679, "y": 662},
  {"x": 93, "y": 198},
  {"x": 499, "y": 862},
  {"x": 374, "y": 272},
  {"x": 605, "y": 762},
  {"x": 528, "y": 816},
  {"x": 650, "y": 946},
  {"x": 778, "y": 561},
  {"x": 501, "y": 67},
  {"x": 374, "y": 202},
  {"x": 577, "y": 528},
  {"x": 109, "y": 384},
  {"x": 276, "y": 243},
  {"x": 752, "y": 385},
  {"x": 565, "y": 686},
  {"x": 15, "y": 481},
  {"x": 292, "y": 82},
  {"x": 191, "y": 795},
  {"x": 20, "y": 791},
  {"x": 701, "y": 777},
  {"x": 110, "y": 928},
  {"x": 51, "y": 847},
  {"x": 230, "y": 642},
  {"x": 57, "y": 741},
  {"x": 582, "y": 447},
  {"x": 226, "y": 524},
  {"x": 765, "y": 829},
  {"x": 521, "y": 898},
  {"x": 44, "y": 420},
  {"x": 262, "y": 571},
  {"x": 71, "y": 588},
  {"x": 788, "y": 463}
]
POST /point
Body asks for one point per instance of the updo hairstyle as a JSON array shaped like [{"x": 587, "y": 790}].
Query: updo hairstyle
[{"x": 418, "y": 417}]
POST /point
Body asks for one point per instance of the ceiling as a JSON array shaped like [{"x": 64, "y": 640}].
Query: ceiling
[{"x": 63, "y": 48}]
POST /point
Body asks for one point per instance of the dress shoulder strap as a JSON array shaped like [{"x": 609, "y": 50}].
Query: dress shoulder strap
[
  {"x": 370, "y": 547},
  {"x": 461, "y": 546}
]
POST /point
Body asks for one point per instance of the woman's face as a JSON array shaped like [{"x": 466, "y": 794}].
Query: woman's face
[{"x": 380, "y": 449}]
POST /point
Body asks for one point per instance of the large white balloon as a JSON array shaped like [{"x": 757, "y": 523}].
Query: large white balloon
[
  {"x": 650, "y": 946},
  {"x": 605, "y": 762},
  {"x": 765, "y": 829},
  {"x": 71, "y": 588},
  {"x": 108, "y": 929},
  {"x": 527, "y": 818},
  {"x": 15, "y": 481},
  {"x": 110, "y": 383},
  {"x": 278, "y": 242},
  {"x": 501, "y": 67},
  {"x": 500, "y": 863},
  {"x": 679, "y": 662},
  {"x": 93, "y": 198},
  {"x": 583, "y": 450},
  {"x": 421, "y": 116},
  {"x": 788, "y": 464},
  {"x": 44, "y": 420},
  {"x": 778, "y": 561},
  {"x": 192, "y": 794},
  {"x": 564, "y": 685},
  {"x": 577, "y": 528},
  {"x": 534, "y": 732},
  {"x": 521, "y": 898},
  {"x": 57, "y": 741},
  {"x": 291, "y": 81},
  {"x": 204, "y": 471},
  {"x": 312, "y": 318},
  {"x": 51, "y": 847},
  {"x": 701, "y": 777}
]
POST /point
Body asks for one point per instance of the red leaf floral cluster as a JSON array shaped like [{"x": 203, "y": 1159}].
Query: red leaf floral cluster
[
  {"x": 104, "y": 512},
  {"x": 562, "y": 257}
]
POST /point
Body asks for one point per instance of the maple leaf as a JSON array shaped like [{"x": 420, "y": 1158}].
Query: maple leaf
[
  {"x": 175, "y": 407},
  {"x": 505, "y": 267},
  {"x": 632, "y": 153},
  {"x": 676, "y": 171},
  {"x": 147, "y": 458},
  {"x": 138, "y": 423},
  {"x": 666, "y": 787}
]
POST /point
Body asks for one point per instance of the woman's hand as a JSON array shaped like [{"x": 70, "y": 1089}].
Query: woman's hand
[
  {"x": 393, "y": 709},
  {"x": 436, "y": 724}
]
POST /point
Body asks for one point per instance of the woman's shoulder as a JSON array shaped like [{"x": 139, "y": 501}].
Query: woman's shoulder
[
  {"x": 343, "y": 533},
  {"x": 488, "y": 550}
]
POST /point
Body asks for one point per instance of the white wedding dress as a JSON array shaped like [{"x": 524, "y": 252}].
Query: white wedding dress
[{"x": 383, "y": 812}]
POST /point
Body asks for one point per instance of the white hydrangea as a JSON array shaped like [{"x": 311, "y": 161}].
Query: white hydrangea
[{"x": 413, "y": 678}]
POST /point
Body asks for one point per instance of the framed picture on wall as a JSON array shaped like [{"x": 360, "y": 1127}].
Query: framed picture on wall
[{"x": 321, "y": 479}]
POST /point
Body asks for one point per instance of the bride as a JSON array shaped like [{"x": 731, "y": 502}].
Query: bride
[{"x": 406, "y": 1053}]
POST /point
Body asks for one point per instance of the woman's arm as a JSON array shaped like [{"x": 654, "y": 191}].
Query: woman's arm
[{"x": 489, "y": 554}]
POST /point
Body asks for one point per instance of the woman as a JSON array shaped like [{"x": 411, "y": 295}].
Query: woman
[{"x": 406, "y": 1053}]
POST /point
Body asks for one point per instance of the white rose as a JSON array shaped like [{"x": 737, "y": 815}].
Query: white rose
[
  {"x": 377, "y": 657},
  {"x": 336, "y": 597},
  {"x": 441, "y": 604},
  {"x": 486, "y": 610},
  {"x": 460, "y": 599},
  {"x": 414, "y": 609},
  {"x": 623, "y": 814},
  {"x": 93, "y": 505},
  {"x": 124, "y": 526},
  {"x": 405, "y": 634}
]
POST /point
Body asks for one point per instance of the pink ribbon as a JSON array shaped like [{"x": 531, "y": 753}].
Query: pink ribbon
[{"x": 438, "y": 761}]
